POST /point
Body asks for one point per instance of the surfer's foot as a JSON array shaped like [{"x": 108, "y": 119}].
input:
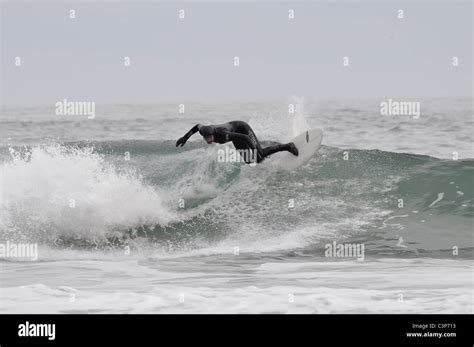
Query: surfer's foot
[{"x": 293, "y": 149}]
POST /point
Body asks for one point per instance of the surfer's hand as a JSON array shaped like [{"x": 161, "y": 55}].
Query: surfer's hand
[{"x": 181, "y": 141}]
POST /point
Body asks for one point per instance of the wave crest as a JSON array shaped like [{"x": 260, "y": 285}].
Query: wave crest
[{"x": 51, "y": 192}]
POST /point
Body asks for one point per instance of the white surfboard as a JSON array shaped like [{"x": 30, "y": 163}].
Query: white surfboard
[{"x": 307, "y": 143}]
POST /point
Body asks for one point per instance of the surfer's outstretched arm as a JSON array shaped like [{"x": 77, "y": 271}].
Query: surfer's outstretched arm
[{"x": 190, "y": 133}]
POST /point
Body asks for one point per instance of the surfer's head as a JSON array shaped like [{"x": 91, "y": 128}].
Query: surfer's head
[{"x": 207, "y": 133}]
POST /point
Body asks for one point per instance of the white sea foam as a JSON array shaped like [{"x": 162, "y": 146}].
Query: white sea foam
[
  {"x": 56, "y": 191},
  {"x": 382, "y": 286}
]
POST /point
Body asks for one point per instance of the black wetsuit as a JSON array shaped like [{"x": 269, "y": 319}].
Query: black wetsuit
[{"x": 241, "y": 135}]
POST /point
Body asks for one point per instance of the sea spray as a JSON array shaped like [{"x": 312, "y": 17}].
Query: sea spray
[{"x": 60, "y": 191}]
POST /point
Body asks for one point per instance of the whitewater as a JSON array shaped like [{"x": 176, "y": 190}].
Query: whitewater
[{"x": 125, "y": 222}]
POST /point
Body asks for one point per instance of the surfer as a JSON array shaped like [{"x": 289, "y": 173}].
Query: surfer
[{"x": 241, "y": 135}]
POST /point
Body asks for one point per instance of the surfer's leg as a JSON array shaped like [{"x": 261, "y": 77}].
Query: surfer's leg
[
  {"x": 262, "y": 153},
  {"x": 255, "y": 147},
  {"x": 289, "y": 147}
]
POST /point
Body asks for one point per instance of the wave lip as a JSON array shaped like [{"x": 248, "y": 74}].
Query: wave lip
[{"x": 52, "y": 192}]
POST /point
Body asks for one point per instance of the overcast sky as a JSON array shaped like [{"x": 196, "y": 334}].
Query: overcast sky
[{"x": 192, "y": 59}]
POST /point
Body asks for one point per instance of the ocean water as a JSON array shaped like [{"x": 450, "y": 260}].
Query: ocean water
[{"x": 103, "y": 200}]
